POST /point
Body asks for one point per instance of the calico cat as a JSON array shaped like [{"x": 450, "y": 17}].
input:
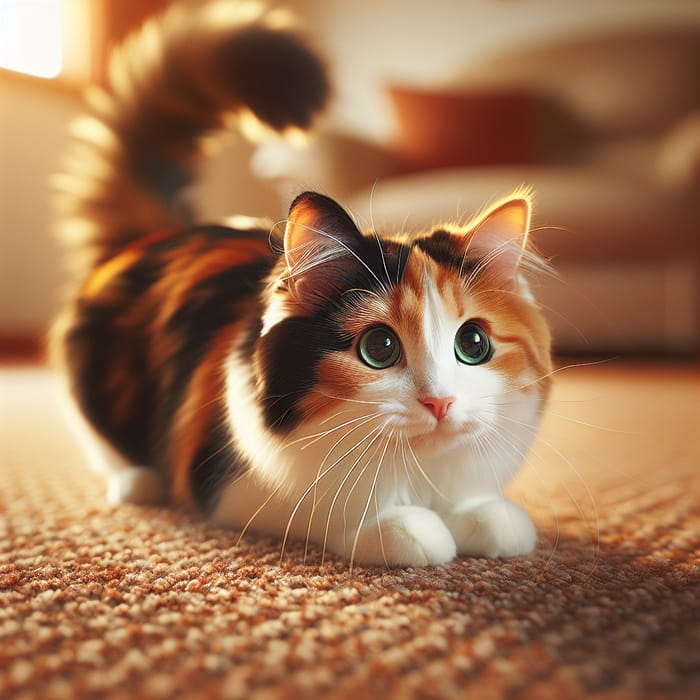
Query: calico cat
[{"x": 372, "y": 394}]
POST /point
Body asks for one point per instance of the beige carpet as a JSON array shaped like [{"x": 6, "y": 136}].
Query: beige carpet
[{"x": 133, "y": 603}]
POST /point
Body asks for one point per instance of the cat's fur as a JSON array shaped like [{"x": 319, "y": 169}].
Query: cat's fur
[{"x": 229, "y": 367}]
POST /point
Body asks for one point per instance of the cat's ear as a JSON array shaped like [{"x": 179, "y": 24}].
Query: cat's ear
[
  {"x": 318, "y": 230},
  {"x": 499, "y": 237}
]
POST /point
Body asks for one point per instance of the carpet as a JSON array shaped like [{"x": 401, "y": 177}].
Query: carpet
[{"x": 128, "y": 602}]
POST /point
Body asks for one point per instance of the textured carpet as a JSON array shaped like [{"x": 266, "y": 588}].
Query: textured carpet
[{"x": 133, "y": 603}]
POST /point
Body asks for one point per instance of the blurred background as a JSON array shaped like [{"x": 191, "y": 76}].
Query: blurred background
[{"x": 438, "y": 109}]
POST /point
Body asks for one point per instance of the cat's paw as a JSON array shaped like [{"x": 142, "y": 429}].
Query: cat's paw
[
  {"x": 404, "y": 536},
  {"x": 141, "y": 486},
  {"x": 496, "y": 528}
]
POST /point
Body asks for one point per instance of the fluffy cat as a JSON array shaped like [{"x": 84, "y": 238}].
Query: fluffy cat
[{"x": 308, "y": 380}]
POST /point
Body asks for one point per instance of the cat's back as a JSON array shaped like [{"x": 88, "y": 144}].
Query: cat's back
[{"x": 154, "y": 320}]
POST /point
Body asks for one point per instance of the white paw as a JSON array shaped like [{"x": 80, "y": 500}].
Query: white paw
[
  {"x": 404, "y": 536},
  {"x": 142, "y": 486},
  {"x": 496, "y": 528}
]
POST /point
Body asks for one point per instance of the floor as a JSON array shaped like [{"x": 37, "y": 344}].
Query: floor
[{"x": 127, "y": 602}]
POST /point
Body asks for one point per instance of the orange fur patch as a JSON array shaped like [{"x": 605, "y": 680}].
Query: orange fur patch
[{"x": 201, "y": 407}]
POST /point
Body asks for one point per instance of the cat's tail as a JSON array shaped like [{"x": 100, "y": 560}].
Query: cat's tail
[{"x": 181, "y": 77}]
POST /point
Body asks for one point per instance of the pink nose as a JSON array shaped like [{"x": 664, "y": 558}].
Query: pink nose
[{"x": 438, "y": 406}]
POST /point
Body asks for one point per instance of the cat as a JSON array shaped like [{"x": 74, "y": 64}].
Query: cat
[{"x": 371, "y": 394}]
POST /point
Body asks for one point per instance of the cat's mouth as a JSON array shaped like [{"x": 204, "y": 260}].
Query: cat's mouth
[
  {"x": 445, "y": 438},
  {"x": 447, "y": 430}
]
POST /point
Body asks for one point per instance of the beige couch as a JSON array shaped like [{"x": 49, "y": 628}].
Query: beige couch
[{"x": 606, "y": 128}]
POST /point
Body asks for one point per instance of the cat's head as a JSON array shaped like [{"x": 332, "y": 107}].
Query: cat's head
[{"x": 428, "y": 336}]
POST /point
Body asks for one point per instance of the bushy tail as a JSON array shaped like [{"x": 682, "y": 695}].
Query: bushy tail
[{"x": 180, "y": 77}]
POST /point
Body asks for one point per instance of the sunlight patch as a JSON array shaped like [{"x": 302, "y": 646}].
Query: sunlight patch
[{"x": 30, "y": 37}]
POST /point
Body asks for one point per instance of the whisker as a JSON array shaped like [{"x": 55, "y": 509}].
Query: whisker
[
  {"x": 316, "y": 500},
  {"x": 526, "y": 460},
  {"x": 485, "y": 261},
  {"x": 554, "y": 371},
  {"x": 411, "y": 485},
  {"x": 424, "y": 474},
  {"x": 507, "y": 440},
  {"x": 313, "y": 485},
  {"x": 375, "y": 437},
  {"x": 487, "y": 442},
  {"x": 259, "y": 510},
  {"x": 316, "y": 437},
  {"x": 330, "y": 256},
  {"x": 390, "y": 438},
  {"x": 552, "y": 504},
  {"x": 366, "y": 509},
  {"x": 399, "y": 268},
  {"x": 394, "y": 463},
  {"x": 579, "y": 477},
  {"x": 363, "y": 292},
  {"x": 374, "y": 231},
  {"x": 585, "y": 424},
  {"x": 347, "y": 398}
]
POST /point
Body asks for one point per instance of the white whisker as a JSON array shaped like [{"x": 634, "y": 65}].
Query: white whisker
[
  {"x": 556, "y": 370},
  {"x": 244, "y": 529},
  {"x": 374, "y": 231},
  {"x": 320, "y": 474},
  {"x": 424, "y": 474},
  {"x": 315, "y": 437},
  {"x": 330, "y": 255},
  {"x": 579, "y": 477},
  {"x": 375, "y": 436},
  {"x": 507, "y": 441},
  {"x": 348, "y": 399},
  {"x": 366, "y": 509},
  {"x": 404, "y": 456}
]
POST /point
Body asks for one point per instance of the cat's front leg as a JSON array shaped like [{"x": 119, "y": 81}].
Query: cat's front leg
[
  {"x": 403, "y": 536},
  {"x": 492, "y": 528}
]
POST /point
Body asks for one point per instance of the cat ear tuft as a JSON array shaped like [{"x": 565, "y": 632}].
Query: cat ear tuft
[
  {"x": 318, "y": 229},
  {"x": 499, "y": 236}
]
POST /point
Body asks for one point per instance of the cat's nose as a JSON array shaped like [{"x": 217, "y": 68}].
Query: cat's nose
[{"x": 438, "y": 405}]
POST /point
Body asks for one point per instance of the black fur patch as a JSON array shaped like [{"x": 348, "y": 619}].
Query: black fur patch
[
  {"x": 215, "y": 463},
  {"x": 95, "y": 348},
  {"x": 275, "y": 75},
  {"x": 288, "y": 356},
  {"x": 441, "y": 247},
  {"x": 210, "y": 306},
  {"x": 110, "y": 345}
]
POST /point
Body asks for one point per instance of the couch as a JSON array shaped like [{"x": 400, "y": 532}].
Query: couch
[{"x": 604, "y": 126}]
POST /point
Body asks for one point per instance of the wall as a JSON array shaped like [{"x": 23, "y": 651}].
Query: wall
[
  {"x": 34, "y": 120},
  {"x": 368, "y": 43},
  {"x": 375, "y": 42}
]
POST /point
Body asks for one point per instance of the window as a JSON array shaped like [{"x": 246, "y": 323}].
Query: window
[
  {"x": 67, "y": 39},
  {"x": 30, "y": 37}
]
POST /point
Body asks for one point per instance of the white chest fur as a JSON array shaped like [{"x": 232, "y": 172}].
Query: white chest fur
[{"x": 357, "y": 485}]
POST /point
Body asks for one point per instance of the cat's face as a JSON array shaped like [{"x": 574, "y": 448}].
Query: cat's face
[{"x": 433, "y": 339}]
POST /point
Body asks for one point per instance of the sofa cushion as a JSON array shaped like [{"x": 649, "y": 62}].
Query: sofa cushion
[
  {"x": 438, "y": 129},
  {"x": 627, "y": 81}
]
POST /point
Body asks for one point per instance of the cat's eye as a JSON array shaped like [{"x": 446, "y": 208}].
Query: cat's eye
[
  {"x": 472, "y": 344},
  {"x": 379, "y": 347}
]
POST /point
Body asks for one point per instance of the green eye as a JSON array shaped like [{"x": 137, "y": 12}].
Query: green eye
[
  {"x": 379, "y": 347},
  {"x": 472, "y": 345}
]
